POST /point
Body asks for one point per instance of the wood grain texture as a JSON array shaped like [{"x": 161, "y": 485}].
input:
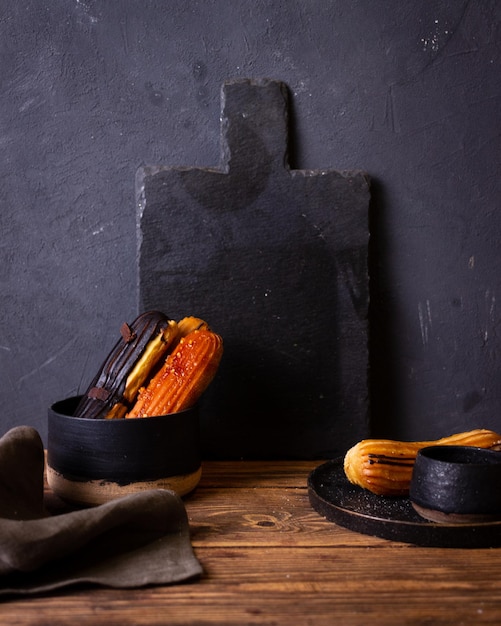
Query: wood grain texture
[{"x": 269, "y": 559}]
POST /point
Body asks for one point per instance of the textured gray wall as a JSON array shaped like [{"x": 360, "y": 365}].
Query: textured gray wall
[{"x": 407, "y": 91}]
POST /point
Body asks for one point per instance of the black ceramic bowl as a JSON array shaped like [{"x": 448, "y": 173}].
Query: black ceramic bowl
[
  {"x": 91, "y": 461},
  {"x": 457, "y": 484}
]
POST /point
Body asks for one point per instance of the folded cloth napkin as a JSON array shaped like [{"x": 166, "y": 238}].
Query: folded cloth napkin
[{"x": 141, "y": 539}]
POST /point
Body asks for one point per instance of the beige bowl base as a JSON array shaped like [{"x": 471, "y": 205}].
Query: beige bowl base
[{"x": 95, "y": 492}]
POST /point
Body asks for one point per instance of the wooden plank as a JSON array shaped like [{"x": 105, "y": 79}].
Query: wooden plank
[
  {"x": 269, "y": 559},
  {"x": 258, "y": 474},
  {"x": 257, "y": 517},
  {"x": 352, "y": 569},
  {"x": 271, "y": 507},
  {"x": 246, "y": 590}
]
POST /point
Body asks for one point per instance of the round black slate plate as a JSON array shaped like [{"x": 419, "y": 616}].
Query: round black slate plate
[{"x": 335, "y": 498}]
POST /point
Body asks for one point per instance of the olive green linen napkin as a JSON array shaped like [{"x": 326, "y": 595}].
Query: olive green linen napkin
[{"x": 137, "y": 540}]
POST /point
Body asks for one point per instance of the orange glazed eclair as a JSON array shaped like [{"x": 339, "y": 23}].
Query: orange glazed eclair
[
  {"x": 185, "y": 375},
  {"x": 384, "y": 466}
]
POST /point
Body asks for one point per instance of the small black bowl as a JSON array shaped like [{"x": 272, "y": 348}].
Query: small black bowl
[
  {"x": 92, "y": 461},
  {"x": 457, "y": 484}
]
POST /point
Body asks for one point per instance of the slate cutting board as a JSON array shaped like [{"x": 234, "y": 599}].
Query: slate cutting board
[{"x": 275, "y": 259}]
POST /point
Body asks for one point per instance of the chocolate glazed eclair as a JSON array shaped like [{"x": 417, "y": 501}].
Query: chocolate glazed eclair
[{"x": 135, "y": 357}]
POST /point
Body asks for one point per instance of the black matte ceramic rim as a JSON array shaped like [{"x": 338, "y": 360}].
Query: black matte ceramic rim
[
  {"x": 124, "y": 450},
  {"x": 457, "y": 480}
]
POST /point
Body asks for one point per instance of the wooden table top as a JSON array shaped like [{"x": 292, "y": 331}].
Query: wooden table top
[{"x": 269, "y": 558}]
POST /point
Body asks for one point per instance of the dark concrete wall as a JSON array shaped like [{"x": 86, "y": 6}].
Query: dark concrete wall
[{"x": 407, "y": 91}]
